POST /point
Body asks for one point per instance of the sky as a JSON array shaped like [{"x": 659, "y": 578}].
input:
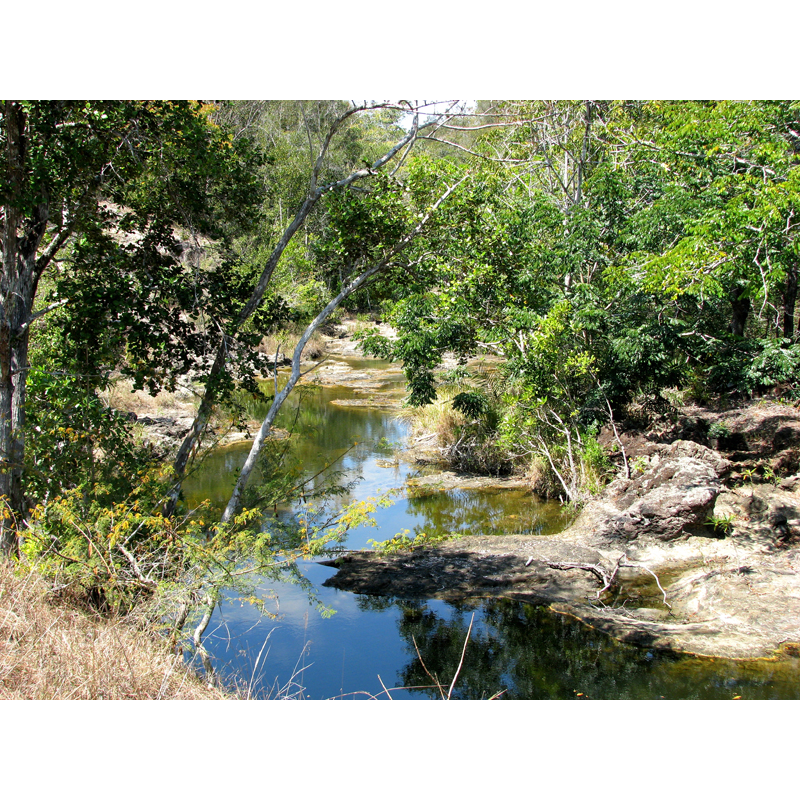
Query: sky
[{"x": 505, "y": 50}]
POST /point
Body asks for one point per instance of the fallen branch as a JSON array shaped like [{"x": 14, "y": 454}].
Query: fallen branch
[
  {"x": 603, "y": 575},
  {"x": 606, "y": 578},
  {"x": 136, "y": 569},
  {"x": 197, "y": 639},
  {"x": 658, "y": 583}
]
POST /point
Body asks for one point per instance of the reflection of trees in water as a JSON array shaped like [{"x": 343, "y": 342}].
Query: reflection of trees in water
[
  {"x": 489, "y": 512},
  {"x": 322, "y": 429},
  {"x": 534, "y": 654},
  {"x": 323, "y": 437}
]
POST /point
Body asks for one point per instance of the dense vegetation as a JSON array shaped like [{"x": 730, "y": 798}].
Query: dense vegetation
[{"x": 607, "y": 253}]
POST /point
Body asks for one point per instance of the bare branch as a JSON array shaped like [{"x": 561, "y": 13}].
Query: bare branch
[
  {"x": 463, "y": 653},
  {"x": 427, "y": 671},
  {"x": 42, "y": 312},
  {"x": 347, "y": 291},
  {"x": 603, "y": 575}
]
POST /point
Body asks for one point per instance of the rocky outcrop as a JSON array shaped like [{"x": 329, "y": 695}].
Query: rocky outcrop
[
  {"x": 672, "y": 497},
  {"x": 760, "y": 438}
]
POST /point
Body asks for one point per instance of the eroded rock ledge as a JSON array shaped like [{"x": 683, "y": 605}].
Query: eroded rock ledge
[{"x": 727, "y": 560}]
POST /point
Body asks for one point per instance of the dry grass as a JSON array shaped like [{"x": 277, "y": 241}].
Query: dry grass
[
  {"x": 166, "y": 404},
  {"x": 542, "y": 479},
  {"x": 287, "y": 341},
  {"x": 438, "y": 417},
  {"x": 49, "y": 651}
]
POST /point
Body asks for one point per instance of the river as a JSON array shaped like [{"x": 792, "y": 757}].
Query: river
[{"x": 371, "y": 647}]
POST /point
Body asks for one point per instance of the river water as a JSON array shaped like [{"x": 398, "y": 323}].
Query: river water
[{"x": 371, "y": 647}]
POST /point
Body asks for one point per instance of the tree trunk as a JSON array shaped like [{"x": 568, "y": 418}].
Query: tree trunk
[
  {"x": 740, "y": 310},
  {"x": 354, "y": 285},
  {"x": 789, "y": 301},
  {"x": 21, "y": 237},
  {"x": 193, "y": 439},
  {"x": 8, "y": 538},
  {"x": 14, "y": 342}
]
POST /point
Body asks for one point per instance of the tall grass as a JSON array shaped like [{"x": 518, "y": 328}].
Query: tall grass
[
  {"x": 467, "y": 445},
  {"x": 50, "y": 650},
  {"x": 122, "y": 396},
  {"x": 287, "y": 340}
]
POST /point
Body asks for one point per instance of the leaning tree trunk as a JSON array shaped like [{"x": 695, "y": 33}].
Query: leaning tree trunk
[
  {"x": 193, "y": 439},
  {"x": 280, "y": 397},
  {"x": 358, "y": 282}
]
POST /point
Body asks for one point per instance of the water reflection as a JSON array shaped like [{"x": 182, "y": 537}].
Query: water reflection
[
  {"x": 484, "y": 512},
  {"x": 529, "y": 652},
  {"x": 525, "y": 651},
  {"x": 353, "y": 448}
]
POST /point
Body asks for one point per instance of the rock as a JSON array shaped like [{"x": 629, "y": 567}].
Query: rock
[
  {"x": 458, "y": 569},
  {"x": 673, "y": 498},
  {"x": 790, "y": 484},
  {"x": 731, "y": 590},
  {"x": 446, "y": 480},
  {"x": 277, "y": 360}
]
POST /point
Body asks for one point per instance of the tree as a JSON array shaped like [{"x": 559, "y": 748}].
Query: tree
[
  {"x": 315, "y": 190},
  {"x": 359, "y": 278},
  {"x": 91, "y": 193},
  {"x": 722, "y": 197}
]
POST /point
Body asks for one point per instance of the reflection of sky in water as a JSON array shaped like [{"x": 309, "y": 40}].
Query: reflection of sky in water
[
  {"x": 529, "y": 652},
  {"x": 346, "y": 652},
  {"x": 342, "y": 654}
]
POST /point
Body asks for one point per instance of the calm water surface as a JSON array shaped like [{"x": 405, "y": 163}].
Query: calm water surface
[{"x": 370, "y": 645}]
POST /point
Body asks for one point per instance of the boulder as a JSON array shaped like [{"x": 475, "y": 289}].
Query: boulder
[{"x": 673, "y": 497}]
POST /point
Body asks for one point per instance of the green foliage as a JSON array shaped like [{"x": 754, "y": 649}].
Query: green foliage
[
  {"x": 404, "y": 541},
  {"x": 471, "y": 404},
  {"x": 718, "y": 430},
  {"x": 596, "y": 463},
  {"x": 605, "y": 259},
  {"x": 385, "y": 446},
  {"x": 75, "y": 441},
  {"x": 722, "y": 525},
  {"x": 639, "y": 465},
  {"x": 129, "y": 299},
  {"x": 775, "y": 361},
  {"x": 748, "y": 366},
  {"x": 124, "y": 555}
]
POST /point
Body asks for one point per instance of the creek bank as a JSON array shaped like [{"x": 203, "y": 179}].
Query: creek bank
[
  {"x": 726, "y": 553},
  {"x": 166, "y": 420}
]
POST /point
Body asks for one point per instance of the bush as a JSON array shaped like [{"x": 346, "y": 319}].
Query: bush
[{"x": 753, "y": 365}]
